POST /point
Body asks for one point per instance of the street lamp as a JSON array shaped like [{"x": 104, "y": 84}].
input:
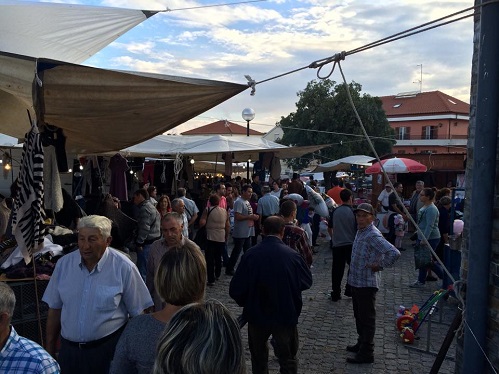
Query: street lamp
[{"x": 248, "y": 115}]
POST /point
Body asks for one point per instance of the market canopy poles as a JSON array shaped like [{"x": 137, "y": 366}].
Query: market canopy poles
[
  {"x": 100, "y": 110},
  {"x": 397, "y": 165},
  {"x": 64, "y": 32}
]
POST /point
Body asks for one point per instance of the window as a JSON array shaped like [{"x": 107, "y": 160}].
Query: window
[
  {"x": 404, "y": 133},
  {"x": 429, "y": 132}
]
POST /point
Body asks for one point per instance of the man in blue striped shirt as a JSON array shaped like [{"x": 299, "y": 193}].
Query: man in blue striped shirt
[
  {"x": 18, "y": 354},
  {"x": 371, "y": 253}
]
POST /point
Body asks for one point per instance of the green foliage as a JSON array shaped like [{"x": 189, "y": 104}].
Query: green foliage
[{"x": 324, "y": 108}]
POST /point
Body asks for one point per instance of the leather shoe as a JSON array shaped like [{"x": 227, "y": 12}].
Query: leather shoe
[
  {"x": 353, "y": 348},
  {"x": 360, "y": 359},
  {"x": 335, "y": 297}
]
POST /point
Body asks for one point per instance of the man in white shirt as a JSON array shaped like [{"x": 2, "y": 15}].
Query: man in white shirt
[
  {"x": 91, "y": 295},
  {"x": 383, "y": 204}
]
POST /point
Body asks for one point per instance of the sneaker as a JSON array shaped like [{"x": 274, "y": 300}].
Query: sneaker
[
  {"x": 430, "y": 278},
  {"x": 417, "y": 284}
]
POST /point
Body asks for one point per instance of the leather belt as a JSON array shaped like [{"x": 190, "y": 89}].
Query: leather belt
[{"x": 94, "y": 343}]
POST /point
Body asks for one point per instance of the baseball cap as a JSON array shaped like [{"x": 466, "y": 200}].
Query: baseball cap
[
  {"x": 388, "y": 185},
  {"x": 365, "y": 207}
]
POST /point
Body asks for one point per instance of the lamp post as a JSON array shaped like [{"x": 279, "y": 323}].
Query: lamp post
[{"x": 248, "y": 115}]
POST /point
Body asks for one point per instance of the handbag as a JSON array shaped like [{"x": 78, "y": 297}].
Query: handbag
[
  {"x": 422, "y": 256},
  {"x": 201, "y": 238}
]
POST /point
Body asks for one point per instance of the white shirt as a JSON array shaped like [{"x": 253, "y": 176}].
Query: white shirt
[
  {"x": 97, "y": 303},
  {"x": 383, "y": 197}
]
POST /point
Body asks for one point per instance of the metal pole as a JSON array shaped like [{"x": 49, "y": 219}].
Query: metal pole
[
  {"x": 247, "y": 162},
  {"x": 482, "y": 188}
]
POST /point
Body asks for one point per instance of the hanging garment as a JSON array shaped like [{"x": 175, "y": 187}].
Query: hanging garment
[
  {"x": 28, "y": 214},
  {"x": 53, "y": 198},
  {"x": 148, "y": 173},
  {"x": 53, "y": 136},
  {"x": 118, "y": 186},
  {"x": 275, "y": 168}
]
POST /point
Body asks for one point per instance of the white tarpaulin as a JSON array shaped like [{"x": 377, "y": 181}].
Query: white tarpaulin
[
  {"x": 64, "y": 32},
  {"x": 344, "y": 163},
  {"x": 210, "y": 148}
]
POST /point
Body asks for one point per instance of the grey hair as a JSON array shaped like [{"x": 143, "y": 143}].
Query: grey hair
[
  {"x": 174, "y": 216},
  {"x": 7, "y": 299},
  {"x": 176, "y": 201},
  {"x": 201, "y": 339},
  {"x": 101, "y": 223}
]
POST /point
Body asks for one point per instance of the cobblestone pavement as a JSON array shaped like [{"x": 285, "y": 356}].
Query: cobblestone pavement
[{"x": 327, "y": 327}]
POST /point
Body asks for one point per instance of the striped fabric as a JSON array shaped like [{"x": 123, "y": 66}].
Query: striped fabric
[{"x": 28, "y": 213}]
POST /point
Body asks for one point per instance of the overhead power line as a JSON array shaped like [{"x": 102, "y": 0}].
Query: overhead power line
[{"x": 213, "y": 5}]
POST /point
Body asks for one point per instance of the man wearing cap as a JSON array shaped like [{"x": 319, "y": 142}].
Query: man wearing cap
[
  {"x": 371, "y": 253},
  {"x": 383, "y": 198}
]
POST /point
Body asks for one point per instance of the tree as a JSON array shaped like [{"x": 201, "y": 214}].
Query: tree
[{"x": 324, "y": 116}]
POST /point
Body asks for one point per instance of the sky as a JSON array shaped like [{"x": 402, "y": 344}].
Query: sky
[{"x": 268, "y": 38}]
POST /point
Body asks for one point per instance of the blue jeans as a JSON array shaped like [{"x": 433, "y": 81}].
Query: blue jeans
[
  {"x": 142, "y": 260},
  {"x": 435, "y": 267}
]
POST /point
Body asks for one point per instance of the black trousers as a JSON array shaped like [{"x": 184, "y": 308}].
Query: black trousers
[
  {"x": 285, "y": 347},
  {"x": 240, "y": 244},
  {"x": 213, "y": 254},
  {"x": 95, "y": 360},
  {"x": 341, "y": 256},
  {"x": 364, "y": 311},
  {"x": 316, "y": 221}
]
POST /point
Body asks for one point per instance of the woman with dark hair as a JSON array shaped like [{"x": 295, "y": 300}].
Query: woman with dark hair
[
  {"x": 428, "y": 218},
  {"x": 164, "y": 205}
]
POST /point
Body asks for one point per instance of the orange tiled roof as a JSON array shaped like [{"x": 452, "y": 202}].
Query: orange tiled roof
[
  {"x": 222, "y": 128},
  {"x": 429, "y": 103}
]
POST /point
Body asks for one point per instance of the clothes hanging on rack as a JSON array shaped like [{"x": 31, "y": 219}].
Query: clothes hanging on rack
[
  {"x": 118, "y": 186},
  {"x": 52, "y": 198},
  {"x": 54, "y": 136}
]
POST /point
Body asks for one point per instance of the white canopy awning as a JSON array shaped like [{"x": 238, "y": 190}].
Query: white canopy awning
[
  {"x": 211, "y": 148},
  {"x": 64, "y": 32},
  {"x": 344, "y": 163}
]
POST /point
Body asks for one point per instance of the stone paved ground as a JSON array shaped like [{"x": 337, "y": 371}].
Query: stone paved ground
[{"x": 327, "y": 327}]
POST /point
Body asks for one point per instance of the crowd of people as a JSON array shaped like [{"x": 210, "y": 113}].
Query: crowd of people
[{"x": 110, "y": 315}]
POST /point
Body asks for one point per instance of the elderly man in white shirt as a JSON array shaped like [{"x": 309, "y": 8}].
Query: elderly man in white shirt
[{"x": 91, "y": 295}]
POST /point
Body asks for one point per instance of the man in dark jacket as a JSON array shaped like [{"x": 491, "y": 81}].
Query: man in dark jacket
[{"x": 268, "y": 284}]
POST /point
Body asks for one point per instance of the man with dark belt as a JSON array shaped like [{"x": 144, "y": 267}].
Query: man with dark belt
[{"x": 91, "y": 295}]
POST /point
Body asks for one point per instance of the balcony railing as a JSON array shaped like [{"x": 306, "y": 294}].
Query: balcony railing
[{"x": 438, "y": 137}]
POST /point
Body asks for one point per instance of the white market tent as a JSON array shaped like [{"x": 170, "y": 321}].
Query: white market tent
[
  {"x": 99, "y": 110},
  {"x": 211, "y": 148},
  {"x": 344, "y": 163}
]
